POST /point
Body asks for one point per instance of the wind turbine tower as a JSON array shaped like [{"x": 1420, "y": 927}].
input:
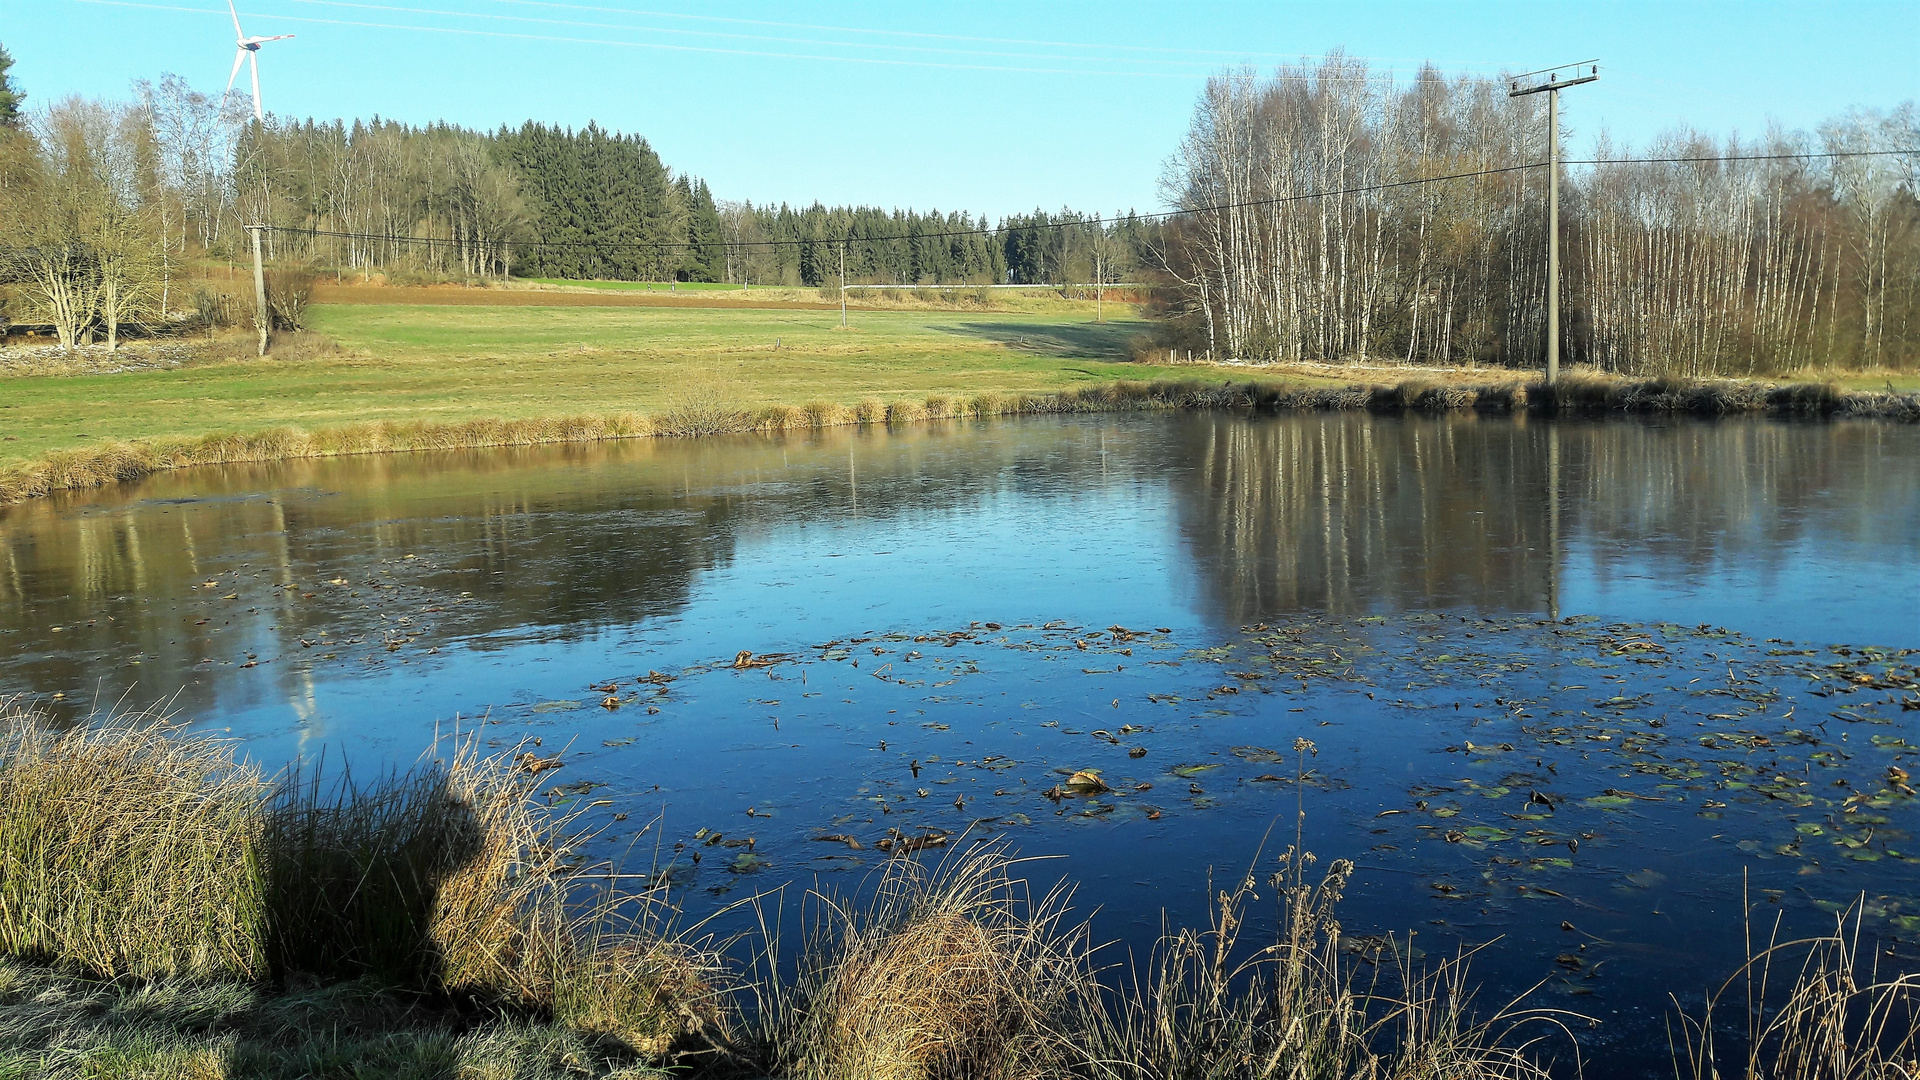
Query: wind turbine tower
[{"x": 249, "y": 53}]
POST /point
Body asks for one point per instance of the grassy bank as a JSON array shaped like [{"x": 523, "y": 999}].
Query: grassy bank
[
  {"x": 712, "y": 407},
  {"x": 431, "y": 377},
  {"x": 168, "y": 912}
]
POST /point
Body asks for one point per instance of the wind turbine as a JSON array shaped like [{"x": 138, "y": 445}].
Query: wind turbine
[{"x": 249, "y": 53}]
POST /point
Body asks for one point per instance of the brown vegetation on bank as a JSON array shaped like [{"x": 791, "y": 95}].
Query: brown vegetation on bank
[
  {"x": 131, "y": 851},
  {"x": 706, "y": 409},
  {"x": 167, "y": 910}
]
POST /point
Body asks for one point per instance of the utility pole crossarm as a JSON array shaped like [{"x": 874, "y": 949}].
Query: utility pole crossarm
[{"x": 1553, "y": 78}]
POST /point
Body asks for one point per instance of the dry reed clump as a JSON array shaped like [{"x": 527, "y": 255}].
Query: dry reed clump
[
  {"x": 780, "y": 418},
  {"x": 1431, "y": 397},
  {"x": 127, "y": 852},
  {"x": 987, "y": 404},
  {"x": 905, "y": 412},
  {"x": 950, "y": 973},
  {"x": 132, "y": 850},
  {"x": 869, "y": 411},
  {"x": 1838, "y": 1019},
  {"x": 702, "y": 406},
  {"x": 1503, "y": 397},
  {"x": 940, "y": 407},
  {"x": 821, "y": 414}
]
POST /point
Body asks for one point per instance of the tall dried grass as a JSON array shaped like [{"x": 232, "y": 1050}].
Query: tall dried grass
[
  {"x": 703, "y": 405},
  {"x": 1206, "y": 1007},
  {"x": 132, "y": 850},
  {"x": 125, "y": 851},
  {"x": 1809, "y": 1009},
  {"x": 905, "y": 412},
  {"x": 951, "y": 972}
]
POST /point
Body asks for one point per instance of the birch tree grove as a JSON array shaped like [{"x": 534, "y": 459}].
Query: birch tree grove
[{"x": 1310, "y": 236}]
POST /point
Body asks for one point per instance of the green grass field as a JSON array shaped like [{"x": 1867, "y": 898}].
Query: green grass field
[
  {"x": 639, "y": 286},
  {"x": 452, "y": 363}
]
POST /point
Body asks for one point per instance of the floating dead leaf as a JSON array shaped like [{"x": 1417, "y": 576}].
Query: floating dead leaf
[
  {"x": 899, "y": 843},
  {"x": 1086, "y": 782}
]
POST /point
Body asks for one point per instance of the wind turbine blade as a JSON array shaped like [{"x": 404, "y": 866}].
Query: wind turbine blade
[
  {"x": 237, "y": 32},
  {"x": 254, "y": 63},
  {"x": 239, "y": 57}
]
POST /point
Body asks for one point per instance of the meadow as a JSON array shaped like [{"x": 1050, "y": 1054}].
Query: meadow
[
  {"x": 445, "y": 363},
  {"x": 484, "y": 367}
]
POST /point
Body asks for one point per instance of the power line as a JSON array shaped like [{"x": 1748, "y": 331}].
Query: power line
[
  {"x": 1737, "y": 157},
  {"x": 733, "y": 36},
  {"x": 1205, "y": 65},
  {"x": 966, "y": 37},
  {"x": 1377, "y": 75},
  {"x": 704, "y": 49},
  {"x": 662, "y": 246}
]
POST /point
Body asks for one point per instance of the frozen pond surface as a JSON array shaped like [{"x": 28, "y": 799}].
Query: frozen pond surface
[{"x": 1557, "y": 674}]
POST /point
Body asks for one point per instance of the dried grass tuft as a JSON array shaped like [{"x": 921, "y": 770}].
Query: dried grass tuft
[
  {"x": 905, "y": 412},
  {"x": 822, "y": 414},
  {"x": 128, "y": 852},
  {"x": 954, "y": 972},
  {"x": 702, "y": 406}
]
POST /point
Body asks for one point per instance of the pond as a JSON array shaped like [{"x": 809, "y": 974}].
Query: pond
[{"x": 1575, "y": 691}]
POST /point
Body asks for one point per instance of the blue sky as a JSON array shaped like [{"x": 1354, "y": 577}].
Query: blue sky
[{"x": 986, "y": 107}]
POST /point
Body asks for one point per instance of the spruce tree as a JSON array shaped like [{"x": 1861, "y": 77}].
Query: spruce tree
[{"x": 10, "y": 95}]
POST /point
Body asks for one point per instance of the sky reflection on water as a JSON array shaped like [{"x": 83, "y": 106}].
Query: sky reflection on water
[{"x": 364, "y": 603}]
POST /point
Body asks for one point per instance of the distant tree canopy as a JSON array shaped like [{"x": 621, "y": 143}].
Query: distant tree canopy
[
  {"x": 547, "y": 201},
  {"x": 1763, "y": 256}
]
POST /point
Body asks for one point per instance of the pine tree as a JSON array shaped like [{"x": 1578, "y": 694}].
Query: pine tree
[{"x": 10, "y": 95}]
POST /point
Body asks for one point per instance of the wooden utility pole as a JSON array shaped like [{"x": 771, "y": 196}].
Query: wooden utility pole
[
  {"x": 843, "y": 284},
  {"x": 1099, "y": 270},
  {"x": 261, "y": 315},
  {"x": 1551, "y": 86}
]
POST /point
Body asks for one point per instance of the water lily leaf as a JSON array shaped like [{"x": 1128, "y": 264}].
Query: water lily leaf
[
  {"x": 1646, "y": 879},
  {"x": 1258, "y": 754},
  {"x": 1607, "y": 802},
  {"x": 1188, "y": 772},
  {"x": 555, "y": 706},
  {"x": 747, "y": 863}
]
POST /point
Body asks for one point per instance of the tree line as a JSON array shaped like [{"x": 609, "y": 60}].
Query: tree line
[
  {"x": 119, "y": 202},
  {"x": 1299, "y": 237},
  {"x": 1698, "y": 267}
]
